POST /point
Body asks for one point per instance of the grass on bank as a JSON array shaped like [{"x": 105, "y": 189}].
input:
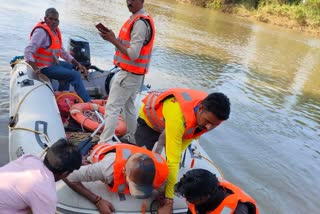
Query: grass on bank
[{"x": 302, "y": 15}]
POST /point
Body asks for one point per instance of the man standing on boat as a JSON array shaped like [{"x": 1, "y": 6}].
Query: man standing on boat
[
  {"x": 133, "y": 54},
  {"x": 206, "y": 194},
  {"x": 174, "y": 118},
  {"x": 28, "y": 183},
  {"x": 43, "y": 53},
  {"x": 124, "y": 168}
]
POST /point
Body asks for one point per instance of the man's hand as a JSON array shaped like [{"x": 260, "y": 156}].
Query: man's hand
[
  {"x": 166, "y": 208},
  {"x": 34, "y": 67},
  {"x": 85, "y": 161},
  {"x": 105, "y": 207},
  {"x": 108, "y": 36},
  {"x": 83, "y": 70}
]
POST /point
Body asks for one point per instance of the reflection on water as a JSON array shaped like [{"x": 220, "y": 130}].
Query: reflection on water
[{"x": 270, "y": 144}]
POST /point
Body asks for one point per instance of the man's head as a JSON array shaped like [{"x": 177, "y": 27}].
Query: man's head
[
  {"x": 52, "y": 18},
  {"x": 213, "y": 110},
  {"x": 140, "y": 172},
  {"x": 135, "y": 5},
  {"x": 197, "y": 186},
  {"x": 62, "y": 158}
]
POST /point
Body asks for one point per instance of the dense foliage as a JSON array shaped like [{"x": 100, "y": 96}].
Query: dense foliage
[{"x": 303, "y": 13}]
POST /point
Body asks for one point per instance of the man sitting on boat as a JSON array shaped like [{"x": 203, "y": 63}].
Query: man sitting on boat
[
  {"x": 43, "y": 53},
  {"x": 124, "y": 168},
  {"x": 207, "y": 195},
  {"x": 28, "y": 183},
  {"x": 174, "y": 118}
]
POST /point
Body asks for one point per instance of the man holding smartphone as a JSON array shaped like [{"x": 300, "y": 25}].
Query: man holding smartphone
[{"x": 133, "y": 53}]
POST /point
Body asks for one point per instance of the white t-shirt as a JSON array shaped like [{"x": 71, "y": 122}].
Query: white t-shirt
[{"x": 26, "y": 184}]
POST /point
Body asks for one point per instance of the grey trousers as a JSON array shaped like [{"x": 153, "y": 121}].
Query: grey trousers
[{"x": 122, "y": 96}]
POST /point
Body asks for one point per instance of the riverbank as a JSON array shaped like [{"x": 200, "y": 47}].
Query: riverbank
[{"x": 299, "y": 17}]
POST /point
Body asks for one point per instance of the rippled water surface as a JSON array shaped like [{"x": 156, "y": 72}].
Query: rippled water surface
[{"x": 270, "y": 145}]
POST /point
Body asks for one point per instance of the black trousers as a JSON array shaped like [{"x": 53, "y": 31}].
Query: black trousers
[{"x": 145, "y": 135}]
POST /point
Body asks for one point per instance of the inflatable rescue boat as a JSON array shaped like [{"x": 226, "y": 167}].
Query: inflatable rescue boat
[{"x": 35, "y": 123}]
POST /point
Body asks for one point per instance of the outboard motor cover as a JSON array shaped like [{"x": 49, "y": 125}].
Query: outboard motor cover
[{"x": 80, "y": 50}]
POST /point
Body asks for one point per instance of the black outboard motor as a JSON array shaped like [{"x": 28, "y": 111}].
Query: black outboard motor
[
  {"x": 97, "y": 85},
  {"x": 80, "y": 50}
]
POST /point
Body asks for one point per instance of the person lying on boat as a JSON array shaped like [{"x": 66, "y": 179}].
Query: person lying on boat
[
  {"x": 43, "y": 52},
  {"x": 28, "y": 183},
  {"x": 205, "y": 194},
  {"x": 174, "y": 118},
  {"x": 124, "y": 168}
]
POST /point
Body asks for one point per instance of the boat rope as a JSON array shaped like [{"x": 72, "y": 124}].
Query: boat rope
[
  {"x": 23, "y": 98},
  {"x": 76, "y": 137},
  {"x": 210, "y": 161},
  {"x": 44, "y": 151},
  {"x": 37, "y": 132},
  {"x": 43, "y": 82}
]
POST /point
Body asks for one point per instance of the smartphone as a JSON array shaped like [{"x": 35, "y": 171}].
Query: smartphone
[{"x": 102, "y": 28}]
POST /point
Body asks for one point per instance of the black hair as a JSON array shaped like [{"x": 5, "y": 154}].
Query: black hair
[
  {"x": 196, "y": 184},
  {"x": 218, "y": 104},
  {"x": 51, "y": 10},
  {"x": 62, "y": 157}
]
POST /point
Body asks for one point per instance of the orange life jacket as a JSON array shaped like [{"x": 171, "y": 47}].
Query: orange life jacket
[
  {"x": 123, "y": 151},
  {"x": 141, "y": 64},
  {"x": 231, "y": 201},
  {"x": 45, "y": 57},
  {"x": 188, "y": 100}
]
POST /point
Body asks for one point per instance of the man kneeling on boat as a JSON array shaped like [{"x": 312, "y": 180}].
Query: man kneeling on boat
[
  {"x": 124, "y": 168},
  {"x": 28, "y": 183}
]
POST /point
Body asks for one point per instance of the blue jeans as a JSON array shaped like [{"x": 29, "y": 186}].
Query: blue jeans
[{"x": 66, "y": 75}]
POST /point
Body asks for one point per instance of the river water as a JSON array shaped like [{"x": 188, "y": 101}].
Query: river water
[{"x": 270, "y": 145}]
